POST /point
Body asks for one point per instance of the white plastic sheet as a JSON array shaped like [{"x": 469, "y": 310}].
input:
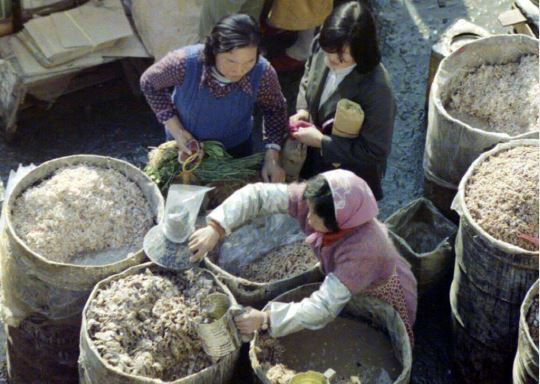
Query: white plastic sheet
[{"x": 257, "y": 238}]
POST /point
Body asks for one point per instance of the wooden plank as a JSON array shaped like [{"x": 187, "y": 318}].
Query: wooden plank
[{"x": 512, "y": 17}]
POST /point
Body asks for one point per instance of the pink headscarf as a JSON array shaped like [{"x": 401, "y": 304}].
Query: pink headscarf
[{"x": 354, "y": 202}]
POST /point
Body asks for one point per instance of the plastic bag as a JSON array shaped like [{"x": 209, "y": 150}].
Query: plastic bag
[
  {"x": 181, "y": 210},
  {"x": 257, "y": 238},
  {"x": 425, "y": 238},
  {"x": 293, "y": 156},
  {"x": 294, "y": 153}
]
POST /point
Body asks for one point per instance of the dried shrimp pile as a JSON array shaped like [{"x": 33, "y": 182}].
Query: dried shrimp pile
[
  {"x": 503, "y": 97},
  {"x": 280, "y": 263},
  {"x": 502, "y": 195},
  {"x": 80, "y": 210}
]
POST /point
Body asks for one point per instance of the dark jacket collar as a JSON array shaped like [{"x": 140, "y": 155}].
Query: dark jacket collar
[{"x": 347, "y": 89}]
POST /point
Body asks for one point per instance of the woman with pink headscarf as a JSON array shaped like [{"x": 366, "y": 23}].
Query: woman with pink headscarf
[{"x": 337, "y": 211}]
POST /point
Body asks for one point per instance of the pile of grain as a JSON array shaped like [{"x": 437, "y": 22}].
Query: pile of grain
[
  {"x": 502, "y": 195},
  {"x": 499, "y": 98},
  {"x": 80, "y": 210},
  {"x": 280, "y": 263},
  {"x": 532, "y": 320},
  {"x": 145, "y": 324}
]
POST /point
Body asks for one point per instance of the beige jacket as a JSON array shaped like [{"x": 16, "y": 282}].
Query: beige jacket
[{"x": 299, "y": 15}]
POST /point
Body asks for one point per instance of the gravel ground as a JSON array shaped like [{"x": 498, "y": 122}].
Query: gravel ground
[
  {"x": 408, "y": 29},
  {"x": 124, "y": 129}
]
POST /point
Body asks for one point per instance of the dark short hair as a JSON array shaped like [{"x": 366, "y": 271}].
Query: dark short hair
[
  {"x": 319, "y": 194},
  {"x": 235, "y": 31},
  {"x": 352, "y": 23}
]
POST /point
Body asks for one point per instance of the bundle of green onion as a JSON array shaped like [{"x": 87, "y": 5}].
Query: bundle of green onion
[{"x": 216, "y": 165}]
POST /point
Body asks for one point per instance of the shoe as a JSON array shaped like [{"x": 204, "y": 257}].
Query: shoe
[{"x": 284, "y": 63}]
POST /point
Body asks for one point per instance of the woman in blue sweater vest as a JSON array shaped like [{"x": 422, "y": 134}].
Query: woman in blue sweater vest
[{"x": 216, "y": 87}]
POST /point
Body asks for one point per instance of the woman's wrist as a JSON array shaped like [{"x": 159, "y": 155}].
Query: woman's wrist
[
  {"x": 217, "y": 227},
  {"x": 271, "y": 155},
  {"x": 175, "y": 128}
]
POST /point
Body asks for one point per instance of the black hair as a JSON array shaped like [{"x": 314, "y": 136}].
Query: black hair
[
  {"x": 319, "y": 194},
  {"x": 235, "y": 31},
  {"x": 352, "y": 24}
]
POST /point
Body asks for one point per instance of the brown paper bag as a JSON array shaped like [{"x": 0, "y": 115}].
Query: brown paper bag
[{"x": 348, "y": 121}]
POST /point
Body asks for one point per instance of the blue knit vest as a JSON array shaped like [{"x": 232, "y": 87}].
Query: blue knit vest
[{"x": 228, "y": 119}]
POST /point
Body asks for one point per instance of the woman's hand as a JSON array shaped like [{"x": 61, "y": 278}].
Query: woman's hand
[
  {"x": 250, "y": 321},
  {"x": 182, "y": 138},
  {"x": 203, "y": 241},
  {"x": 187, "y": 146},
  {"x": 272, "y": 171},
  {"x": 301, "y": 115},
  {"x": 309, "y": 136}
]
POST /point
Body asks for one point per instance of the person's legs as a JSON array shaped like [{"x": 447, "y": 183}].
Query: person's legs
[
  {"x": 295, "y": 56},
  {"x": 301, "y": 49}
]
